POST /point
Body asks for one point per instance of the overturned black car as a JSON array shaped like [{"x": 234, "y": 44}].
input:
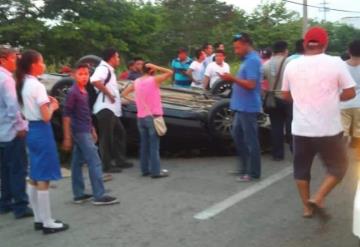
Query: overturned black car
[{"x": 191, "y": 115}]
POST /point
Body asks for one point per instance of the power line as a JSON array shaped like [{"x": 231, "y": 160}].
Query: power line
[{"x": 321, "y": 8}]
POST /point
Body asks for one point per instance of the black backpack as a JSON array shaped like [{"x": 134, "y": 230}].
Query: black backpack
[{"x": 93, "y": 93}]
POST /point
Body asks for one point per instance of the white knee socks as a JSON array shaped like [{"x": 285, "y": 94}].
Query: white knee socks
[
  {"x": 45, "y": 210},
  {"x": 33, "y": 199}
]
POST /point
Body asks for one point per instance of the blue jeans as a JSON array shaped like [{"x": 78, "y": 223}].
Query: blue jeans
[
  {"x": 280, "y": 118},
  {"x": 149, "y": 147},
  {"x": 85, "y": 151},
  {"x": 245, "y": 135},
  {"x": 13, "y": 165}
]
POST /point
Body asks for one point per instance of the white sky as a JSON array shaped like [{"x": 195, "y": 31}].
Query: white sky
[{"x": 353, "y": 5}]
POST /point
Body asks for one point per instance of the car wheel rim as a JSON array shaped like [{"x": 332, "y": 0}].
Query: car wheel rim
[{"x": 223, "y": 121}]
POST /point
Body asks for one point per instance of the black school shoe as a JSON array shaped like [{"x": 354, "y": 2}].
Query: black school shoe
[
  {"x": 49, "y": 230},
  {"x": 105, "y": 200},
  {"x": 38, "y": 226}
]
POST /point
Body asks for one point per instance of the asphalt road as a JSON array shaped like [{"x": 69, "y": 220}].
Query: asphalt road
[{"x": 160, "y": 213}]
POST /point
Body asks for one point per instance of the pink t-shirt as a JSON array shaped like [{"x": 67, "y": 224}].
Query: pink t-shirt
[{"x": 147, "y": 97}]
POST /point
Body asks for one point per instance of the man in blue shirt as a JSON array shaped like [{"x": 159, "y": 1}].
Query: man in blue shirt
[
  {"x": 246, "y": 103},
  {"x": 181, "y": 65},
  {"x": 13, "y": 129}
]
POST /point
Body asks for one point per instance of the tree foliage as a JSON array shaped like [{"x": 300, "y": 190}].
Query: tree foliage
[{"x": 64, "y": 30}]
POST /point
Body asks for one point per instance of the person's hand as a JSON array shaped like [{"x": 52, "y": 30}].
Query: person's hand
[
  {"x": 21, "y": 134},
  {"x": 94, "y": 135},
  {"x": 67, "y": 144},
  {"x": 151, "y": 66},
  {"x": 112, "y": 98},
  {"x": 126, "y": 101},
  {"x": 227, "y": 77},
  {"x": 54, "y": 103}
]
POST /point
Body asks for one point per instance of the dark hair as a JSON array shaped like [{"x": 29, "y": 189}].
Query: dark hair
[
  {"x": 345, "y": 56},
  {"x": 205, "y": 45},
  {"x": 266, "y": 53},
  {"x": 108, "y": 53},
  {"x": 299, "y": 46},
  {"x": 279, "y": 46},
  {"x": 182, "y": 50},
  {"x": 217, "y": 45},
  {"x": 220, "y": 51},
  {"x": 198, "y": 53},
  {"x": 130, "y": 63},
  {"x": 243, "y": 37},
  {"x": 27, "y": 59},
  {"x": 354, "y": 48},
  {"x": 82, "y": 66},
  {"x": 146, "y": 70}
]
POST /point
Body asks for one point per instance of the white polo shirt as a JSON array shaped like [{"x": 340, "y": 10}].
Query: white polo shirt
[
  {"x": 315, "y": 83},
  {"x": 100, "y": 74},
  {"x": 213, "y": 70},
  {"x": 34, "y": 96}
]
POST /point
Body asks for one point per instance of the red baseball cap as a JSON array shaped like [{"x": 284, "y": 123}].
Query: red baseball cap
[{"x": 316, "y": 35}]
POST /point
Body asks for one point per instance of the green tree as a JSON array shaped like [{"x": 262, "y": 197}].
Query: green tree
[
  {"x": 189, "y": 23},
  {"x": 19, "y": 24},
  {"x": 271, "y": 21},
  {"x": 340, "y": 35}
]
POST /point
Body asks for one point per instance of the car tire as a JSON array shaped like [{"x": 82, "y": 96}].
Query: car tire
[
  {"x": 220, "y": 120},
  {"x": 59, "y": 91},
  {"x": 91, "y": 60},
  {"x": 222, "y": 88}
]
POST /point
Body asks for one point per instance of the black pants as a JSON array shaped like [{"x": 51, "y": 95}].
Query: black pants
[
  {"x": 280, "y": 118},
  {"x": 13, "y": 167},
  {"x": 112, "y": 139}
]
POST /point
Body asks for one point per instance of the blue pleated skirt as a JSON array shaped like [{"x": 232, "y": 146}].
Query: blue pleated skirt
[{"x": 44, "y": 159}]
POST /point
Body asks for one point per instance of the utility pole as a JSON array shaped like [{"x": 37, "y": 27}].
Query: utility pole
[
  {"x": 324, "y": 8},
  {"x": 305, "y": 17}
]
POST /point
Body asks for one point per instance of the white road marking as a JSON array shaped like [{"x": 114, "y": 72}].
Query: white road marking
[{"x": 232, "y": 200}]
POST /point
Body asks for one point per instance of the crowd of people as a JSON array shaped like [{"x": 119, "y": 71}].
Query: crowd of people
[{"x": 302, "y": 94}]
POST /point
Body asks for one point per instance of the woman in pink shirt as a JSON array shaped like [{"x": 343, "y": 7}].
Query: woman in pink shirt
[{"x": 148, "y": 104}]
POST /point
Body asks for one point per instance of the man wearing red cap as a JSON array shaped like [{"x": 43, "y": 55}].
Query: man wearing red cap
[{"x": 317, "y": 83}]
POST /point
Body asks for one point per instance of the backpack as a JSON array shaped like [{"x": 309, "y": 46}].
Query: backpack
[{"x": 93, "y": 93}]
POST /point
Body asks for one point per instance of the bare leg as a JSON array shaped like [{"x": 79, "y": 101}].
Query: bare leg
[
  {"x": 326, "y": 187},
  {"x": 304, "y": 192},
  {"x": 43, "y": 186}
]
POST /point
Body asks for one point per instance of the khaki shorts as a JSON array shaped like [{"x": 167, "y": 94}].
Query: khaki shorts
[{"x": 351, "y": 122}]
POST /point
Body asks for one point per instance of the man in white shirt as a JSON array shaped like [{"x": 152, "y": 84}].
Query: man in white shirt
[
  {"x": 196, "y": 70},
  {"x": 215, "y": 69},
  {"x": 350, "y": 110},
  {"x": 107, "y": 109},
  {"x": 208, "y": 49},
  {"x": 317, "y": 83}
]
